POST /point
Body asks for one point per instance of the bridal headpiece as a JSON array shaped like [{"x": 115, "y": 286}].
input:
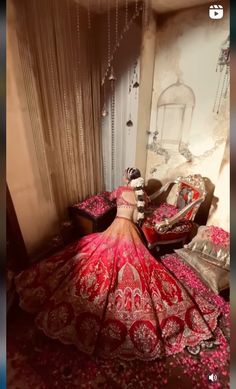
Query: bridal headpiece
[{"x": 137, "y": 183}]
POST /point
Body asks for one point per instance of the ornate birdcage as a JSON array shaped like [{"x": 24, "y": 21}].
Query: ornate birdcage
[{"x": 175, "y": 108}]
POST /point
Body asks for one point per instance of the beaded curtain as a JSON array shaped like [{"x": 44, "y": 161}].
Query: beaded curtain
[
  {"x": 60, "y": 64},
  {"x": 120, "y": 44}
]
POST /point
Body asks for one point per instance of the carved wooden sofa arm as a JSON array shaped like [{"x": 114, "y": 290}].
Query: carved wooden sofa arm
[
  {"x": 162, "y": 189},
  {"x": 166, "y": 224}
]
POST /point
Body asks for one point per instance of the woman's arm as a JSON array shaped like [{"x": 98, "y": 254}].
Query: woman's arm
[{"x": 113, "y": 195}]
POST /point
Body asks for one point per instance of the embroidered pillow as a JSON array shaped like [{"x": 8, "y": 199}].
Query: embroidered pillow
[
  {"x": 213, "y": 244},
  {"x": 216, "y": 277},
  {"x": 96, "y": 205}
]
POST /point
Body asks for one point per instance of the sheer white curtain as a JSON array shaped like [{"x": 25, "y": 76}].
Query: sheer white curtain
[
  {"x": 126, "y": 71},
  {"x": 126, "y": 109}
]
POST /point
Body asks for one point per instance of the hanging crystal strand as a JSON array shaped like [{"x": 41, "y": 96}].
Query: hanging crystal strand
[
  {"x": 112, "y": 101},
  {"x": 47, "y": 125},
  {"x": 129, "y": 122},
  {"x": 51, "y": 68},
  {"x": 89, "y": 15},
  {"x": 112, "y": 129},
  {"x": 136, "y": 7},
  {"x": 58, "y": 161},
  {"x": 108, "y": 35},
  {"x": 221, "y": 92},
  {"x": 67, "y": 136},
  {"x": 132, "y": 78},
  {"x": 104, "y": 109},
  {"x": 136, "y": 83},
  {"x": 109, "y": 57},
  {"x": 64, "y": 141},
  {"x": 227, "y": 82},
  {"x": 67, "y": 108},
  {"x": 27, "y": 69},
  {"x": 145, "y": 13},
  {"x": 126, "y": 15},
  {"x": 217, "y": 92},
  {"x": 73, "y": 128},
  {"x": 223, "y": 66},
  {"x": 129, "y": 79},
  {"x": 79, "y": 102},
  {"x": 116, "y": 24},
  {"x": 121, "y": 37},
  {"x": 104, "y": 114}
]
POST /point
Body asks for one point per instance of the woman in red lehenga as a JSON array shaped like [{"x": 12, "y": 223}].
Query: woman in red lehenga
[{"x": 108, "y": 295}]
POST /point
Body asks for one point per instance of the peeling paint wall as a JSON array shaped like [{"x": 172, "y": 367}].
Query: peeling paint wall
[
  {"x": 221, "y": 217},
  {"x": 187, "y": 48}
]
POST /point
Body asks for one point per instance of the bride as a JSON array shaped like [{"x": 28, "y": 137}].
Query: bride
[{"x": 108, "y": 295}]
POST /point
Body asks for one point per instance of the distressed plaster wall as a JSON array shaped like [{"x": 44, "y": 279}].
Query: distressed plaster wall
[
  {"x": 187, "y": 47},
  {"x": 221, "y": 216}
]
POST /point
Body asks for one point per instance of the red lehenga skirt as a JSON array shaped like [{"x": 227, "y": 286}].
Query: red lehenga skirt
[{"x": 109, "y": 296}]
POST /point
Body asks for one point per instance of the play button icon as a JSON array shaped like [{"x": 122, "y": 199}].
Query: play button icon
[{"x": 216, "y": 11}]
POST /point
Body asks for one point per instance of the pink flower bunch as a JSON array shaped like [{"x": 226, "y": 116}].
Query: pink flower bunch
[
  {"x": 96, "y": 205},
  {"x": 219, "y": 236},
  {"x": 164, "y": 211}
]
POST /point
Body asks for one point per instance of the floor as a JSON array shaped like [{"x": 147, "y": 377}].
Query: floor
[{"x": 37, "y": 362}]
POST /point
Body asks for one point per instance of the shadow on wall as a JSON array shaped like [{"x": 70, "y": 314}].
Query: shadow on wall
[{"x": 209, "y": 204}]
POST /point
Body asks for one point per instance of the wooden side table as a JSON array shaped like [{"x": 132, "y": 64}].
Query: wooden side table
[{"x": 95, "y": 214}]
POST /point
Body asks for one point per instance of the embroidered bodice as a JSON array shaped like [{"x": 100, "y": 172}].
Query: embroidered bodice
[{"x": 125, "y": 207}]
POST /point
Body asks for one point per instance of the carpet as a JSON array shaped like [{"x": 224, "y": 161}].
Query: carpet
[{"x": 37, "y": 362}]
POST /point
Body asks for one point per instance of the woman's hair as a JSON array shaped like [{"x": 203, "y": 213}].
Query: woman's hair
[{"x": 133, "y": 175}]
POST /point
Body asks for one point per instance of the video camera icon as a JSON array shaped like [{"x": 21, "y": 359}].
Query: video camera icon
[{"x": 216, "y": 11}]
